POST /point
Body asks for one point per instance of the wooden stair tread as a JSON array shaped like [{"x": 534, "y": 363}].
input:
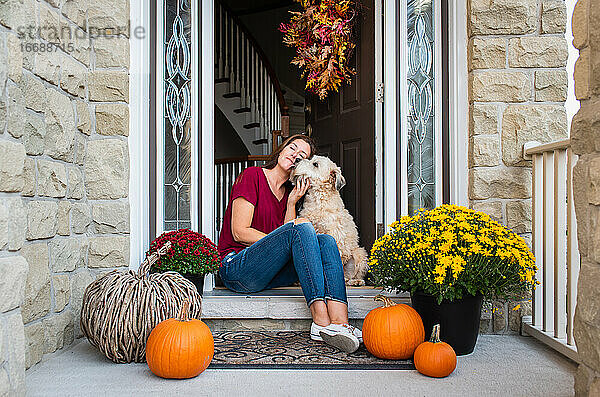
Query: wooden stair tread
[{"x": 242, "y": 110}]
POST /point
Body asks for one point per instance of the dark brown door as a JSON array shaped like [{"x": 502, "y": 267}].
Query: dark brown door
[{"x": 343, "y": 126}]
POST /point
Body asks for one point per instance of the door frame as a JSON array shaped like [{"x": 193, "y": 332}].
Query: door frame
[
  {"x": 394, "y": 144},
  {"x": 140, "y": 68},
  {"x": 458, "y": 93},
  {"x": 386, "y": 122}
]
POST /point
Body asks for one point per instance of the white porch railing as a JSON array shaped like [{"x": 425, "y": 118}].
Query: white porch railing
[
  {"x": 226, "y": 171},
  {"x": 554, "y": 246}
]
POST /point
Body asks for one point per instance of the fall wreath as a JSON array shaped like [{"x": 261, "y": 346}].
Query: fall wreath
[{"x": 323, "y": 36}]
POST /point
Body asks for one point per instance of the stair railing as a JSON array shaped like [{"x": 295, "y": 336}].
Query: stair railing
[
  {"x": 554, "y": 246},
  {"x": 226, "y": 172},
  {"x": 242, "y": 63}
]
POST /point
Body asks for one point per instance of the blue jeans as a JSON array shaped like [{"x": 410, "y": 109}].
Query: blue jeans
[{"x": 288, "y": 254}]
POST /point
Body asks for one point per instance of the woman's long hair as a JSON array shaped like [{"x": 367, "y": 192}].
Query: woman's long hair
[{"x": 274, "y": 157}]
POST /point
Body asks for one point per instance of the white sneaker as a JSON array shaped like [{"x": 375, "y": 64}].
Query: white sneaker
[
  {"x": 340, "y": 336},
  {"x": 314, "y": 332},
  {"x": 355, "y": 331}
]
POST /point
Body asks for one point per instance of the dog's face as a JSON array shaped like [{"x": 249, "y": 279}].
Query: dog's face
[{"x": 321, "y": 171}]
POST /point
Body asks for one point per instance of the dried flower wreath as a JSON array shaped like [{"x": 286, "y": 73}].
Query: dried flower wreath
[{"x": 322, "y": 35}]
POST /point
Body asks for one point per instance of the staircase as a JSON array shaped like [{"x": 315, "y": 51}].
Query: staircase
[
  {"x": 246, "y": 88},
  {"x": 252, "y": 99}
]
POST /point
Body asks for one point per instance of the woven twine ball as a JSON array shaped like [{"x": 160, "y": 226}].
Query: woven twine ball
[{"x": 120, "y": 309}]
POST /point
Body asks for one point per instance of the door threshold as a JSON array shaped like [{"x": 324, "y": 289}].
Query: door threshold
[
  {"x": 354, "y": 292},
  {"x": 284, "y": 303}
]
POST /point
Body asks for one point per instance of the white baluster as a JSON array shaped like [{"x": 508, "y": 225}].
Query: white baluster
[
  {"x": 538, "y": 234},
  {"x": 248, "y": 71},
  {"x": 262, "y": 101},
  {"x": 243, "y": 72},
  {"x": 254, "y": 85},
  {"x": 257, "y": 93},
  {"x": 238, "y": 52},
  {"x": 220, "y": 49},
  {"x": 231, "y": 56},
  {"x": 560, "y": 249},
  {"x": 226, "y": 43},
  {"x": 548, "y": 274},
  {"x": 227, "y": 182},
  {"x": 271, "y": 117}
]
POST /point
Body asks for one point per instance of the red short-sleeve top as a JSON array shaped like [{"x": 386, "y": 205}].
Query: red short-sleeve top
[{"x": 269, "y": 212}]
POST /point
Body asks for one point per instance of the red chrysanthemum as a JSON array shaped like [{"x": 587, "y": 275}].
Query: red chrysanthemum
[{"x": 190, "y": 253}]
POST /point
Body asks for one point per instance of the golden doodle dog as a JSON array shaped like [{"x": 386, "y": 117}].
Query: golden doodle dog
[{"x": 324, "y": 208}]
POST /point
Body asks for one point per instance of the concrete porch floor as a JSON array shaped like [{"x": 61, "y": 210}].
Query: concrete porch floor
[{"x": 500, "y": 365}]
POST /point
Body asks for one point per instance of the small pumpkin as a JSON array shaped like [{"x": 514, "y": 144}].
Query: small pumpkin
[
  {"x": 435, "y": 358},
  {"x": 393, "y": 331},
  {"x": 180, "y": 348}
]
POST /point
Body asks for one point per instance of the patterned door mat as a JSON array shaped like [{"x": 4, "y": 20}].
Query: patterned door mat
[{"x": 290, "y": 350}]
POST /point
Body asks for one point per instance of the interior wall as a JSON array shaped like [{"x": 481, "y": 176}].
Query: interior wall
[
  {"x": 227, "y": 141},
  {"x": 264, "y": 27}
]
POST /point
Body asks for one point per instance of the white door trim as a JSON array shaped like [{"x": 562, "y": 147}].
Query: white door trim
[
  {"x": 379, "y": 196},
  {"x": 394, "y": 75},
  {"x": 160, "y": 117},
  {"x": 194, "y": 110},
  {"x": 437, "y": 100},
  {"x": 458, "y": 102},
  {"x": 390, "y": 127},
  {"x": 139, "y": 124},
  {"x": 207, "y": 223}
]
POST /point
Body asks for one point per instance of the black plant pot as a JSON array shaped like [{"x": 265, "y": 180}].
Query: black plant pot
[
  {"x": 459, "y": 319},
  {"x": 197, "y": 280}
]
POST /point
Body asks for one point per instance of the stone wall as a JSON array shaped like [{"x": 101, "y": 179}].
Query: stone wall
[
  {"x": 64, "y": 165},
  {"x": 585, "y": 141},
  {"x": 517, "y": 87}
]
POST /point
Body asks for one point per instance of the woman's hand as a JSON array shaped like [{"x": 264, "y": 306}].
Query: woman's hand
[{"x": 302, "y": 185}]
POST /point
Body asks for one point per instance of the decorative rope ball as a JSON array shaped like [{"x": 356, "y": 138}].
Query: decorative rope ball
[{"x": 121, "y": 308}]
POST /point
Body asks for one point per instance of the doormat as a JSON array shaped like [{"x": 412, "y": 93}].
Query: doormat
[{"x": 291, "y": 350}]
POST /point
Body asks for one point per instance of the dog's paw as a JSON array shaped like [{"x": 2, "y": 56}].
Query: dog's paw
[{"x": 355, "y": 282}]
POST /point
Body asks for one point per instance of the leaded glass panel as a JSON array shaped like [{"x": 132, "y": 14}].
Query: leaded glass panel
[
  {"x": 420, "y": 118},
  {"x": 177, "y": 149}
]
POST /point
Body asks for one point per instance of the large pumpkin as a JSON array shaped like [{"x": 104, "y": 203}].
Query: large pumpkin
[
  {"x": 121, "y": 308},
  {"x": 435, "y": 358},
  {"x": 394, "y": 331},
  {"x": 181, "y": 347}
]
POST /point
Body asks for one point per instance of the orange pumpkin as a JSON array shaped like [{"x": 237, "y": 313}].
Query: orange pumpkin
[
  {"x": 435, "y": 358},
  {"x": 180, "y": 348},
  {"x": 393, "y": 331}
]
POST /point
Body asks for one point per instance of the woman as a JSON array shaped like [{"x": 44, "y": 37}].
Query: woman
[{"x": 263, "y": 245}]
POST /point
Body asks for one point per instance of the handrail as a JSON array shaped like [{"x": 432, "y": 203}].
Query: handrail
[
  {"x": 548, "y": 147},
  {"x": 271, "y": 72},
  {"x": 258, "y": 157}
]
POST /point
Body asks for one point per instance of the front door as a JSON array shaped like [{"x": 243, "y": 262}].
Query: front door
[{"x": 343, "y": 127}]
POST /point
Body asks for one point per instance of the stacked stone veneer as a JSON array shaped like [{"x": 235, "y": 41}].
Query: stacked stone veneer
[
  {"x": 517, "y": 87},
  {"x": 64, "y": 168},
  {"x": 585, "y": 141}
]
